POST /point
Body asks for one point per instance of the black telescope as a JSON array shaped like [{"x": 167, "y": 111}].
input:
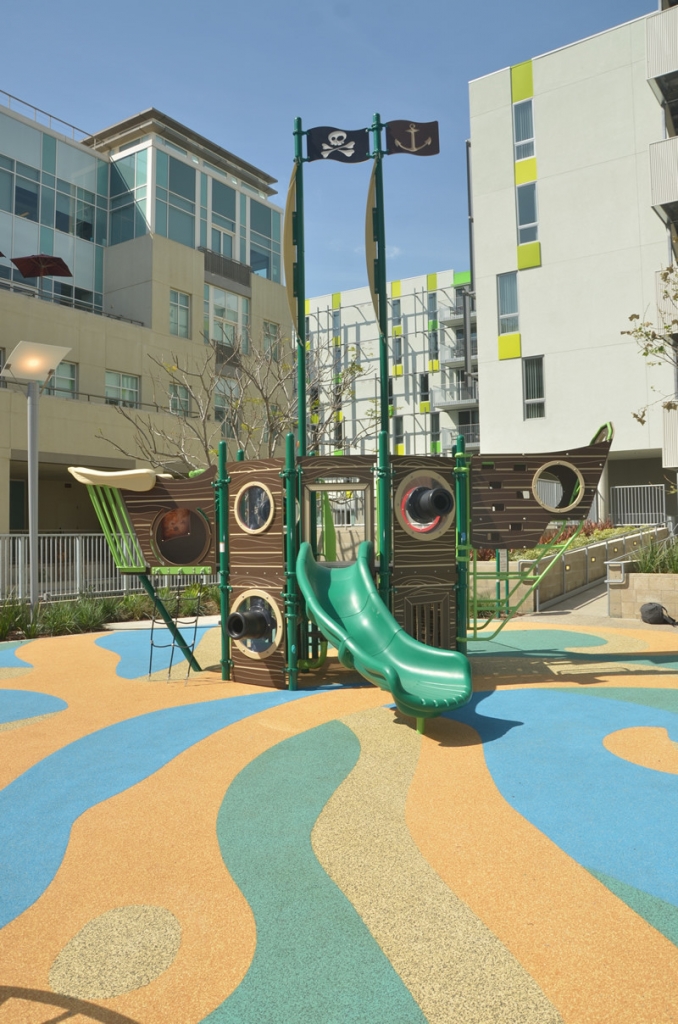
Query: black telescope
[
  {"x": 247, "y": 625},
  {"x": 426, "y": 503}
]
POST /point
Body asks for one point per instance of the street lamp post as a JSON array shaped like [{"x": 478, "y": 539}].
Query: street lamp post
[{"x": 32, "y": 363}]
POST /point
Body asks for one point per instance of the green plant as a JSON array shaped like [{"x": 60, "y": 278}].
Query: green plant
[
  {"x": 657, "y": 558},
  {"x": 15, "y": 617},
  {"x": 57, "y": 619}
]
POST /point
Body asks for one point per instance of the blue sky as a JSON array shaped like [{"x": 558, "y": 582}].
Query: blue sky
[{"x": 240, "y": 72}]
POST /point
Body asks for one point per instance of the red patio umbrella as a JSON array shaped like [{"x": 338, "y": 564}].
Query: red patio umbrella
[{"x": 41, "y": 266}]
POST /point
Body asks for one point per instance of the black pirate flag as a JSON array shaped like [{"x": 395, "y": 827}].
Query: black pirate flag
[
  {"x": 336, "y": 144},
  {"x": 417, "y": 138}
]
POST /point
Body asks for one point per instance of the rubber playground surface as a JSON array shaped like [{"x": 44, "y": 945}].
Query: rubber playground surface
[{"x": 187, "y": 850}]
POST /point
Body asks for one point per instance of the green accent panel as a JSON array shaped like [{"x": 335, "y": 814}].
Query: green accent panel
[
  {"x": 329, "y": 532},
  {"x": 183, "y": 570},
  {"x": 529, "y": 255},
  {"x": 436, "y": 447},
  {"x": 345, "y": 604},
  {"x": 526, "y": 170},
  {"x": 509, "y": 346},
  {"x": 661, "y": 915},
  {"x": 462, "y": 278},
  {"x": 433, "y": 325},
  {"x": 521, "y": 82}
]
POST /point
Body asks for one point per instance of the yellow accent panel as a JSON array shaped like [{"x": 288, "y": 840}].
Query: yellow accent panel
[
  {"x": 433, "y": 365},
  {"x": 529, "y": 255},
  {"x": 521, "y": 82},
  {"x": 397, "y": 331},
  {"x": 308, "y": 307},
  {"x": 526, "y": 170},
  {"x": 424, "y": 407},
  {"x": 336, "y": 341},
  {"x": 336, "y": 300},
  {"x": 432, "y": 282},
  {"x": 509, "y": 346},
  {"x": 400, "y": 449},
  {"x": 398, "y": 370},
  {"x": 395, "y": 289}
]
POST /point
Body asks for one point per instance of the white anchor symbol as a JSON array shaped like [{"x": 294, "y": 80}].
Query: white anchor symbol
[{"x": 413, "y": 148}]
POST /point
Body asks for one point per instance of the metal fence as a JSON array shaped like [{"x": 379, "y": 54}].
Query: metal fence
[
  {"x": 641, "y": 505},
  {"x": 69, "y": 564}
]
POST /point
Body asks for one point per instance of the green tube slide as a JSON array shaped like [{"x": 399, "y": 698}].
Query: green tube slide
[{"x": 346, "y": 607}]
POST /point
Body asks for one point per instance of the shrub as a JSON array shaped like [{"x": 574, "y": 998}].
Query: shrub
[{"x": 657, "y": 558}]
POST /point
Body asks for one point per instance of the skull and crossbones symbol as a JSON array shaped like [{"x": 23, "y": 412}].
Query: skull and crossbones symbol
[{"x": 337, "y": 144}]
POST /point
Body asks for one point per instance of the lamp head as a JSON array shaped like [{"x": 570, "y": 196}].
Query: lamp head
[{"x": 32, "y": 361}]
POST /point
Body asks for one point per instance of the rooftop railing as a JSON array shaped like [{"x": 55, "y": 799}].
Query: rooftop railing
[{"x": 42, "y": 117}]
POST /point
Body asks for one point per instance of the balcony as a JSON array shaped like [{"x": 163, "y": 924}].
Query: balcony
[
  {"x": 662, "y": 55},
  {"x": 457, "y": 353},
  {"x": 455, "y": 396},
  {"x": 664, "y": 178},
  {"x": 469, "y": 431},
  {"x": 451, "y": 316}
]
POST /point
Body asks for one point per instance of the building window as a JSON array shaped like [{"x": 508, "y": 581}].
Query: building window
[
  {"x": 3, "y": 382},
  {"x": 460, "y": 337},
  {"x": 227, "y": 318},
  {"x": 526, "y": 198},
  {"x": 179, "y": 400},
  {"x": 265, "y": 256},
  {"x": 398, "y": 436},
  {"x": 533, "y": 388},
  {"x": 272, "y": 340},
  {"x": 128, "y": 185},
  {"x": 507, "y": 302},
  {"x": 336, "y": 322},
  {"x": 225, "y": 391},
  {"x": 523, "y": 130},
  {"x": 390, "y": 392},
  {"x": 435, "y": 433},
  {"x": 122, "y": 389},
  {"x": 469, "y": 426},
  {"x": 433, "y": 348},
  {"x": 396, "y": 315},
  {"x": 175, "y": 199},
  {"x": 180, "y": 306},
  {"x": 424, "y": 392},
  {"x": 64, "y": 381},
  {"x": 398, "y": 350}
]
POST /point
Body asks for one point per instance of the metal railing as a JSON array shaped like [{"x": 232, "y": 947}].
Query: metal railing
[
  {"x": 42, "y": 117},
  {"x": 69, "y": 564},
  {"x": 638, "y": 505},
  {"x": 454, "y": 394},
  {"x": 469, "y": 431},
  {"x": 455, "y": 353},
  {"x": 63, "y": 300}
]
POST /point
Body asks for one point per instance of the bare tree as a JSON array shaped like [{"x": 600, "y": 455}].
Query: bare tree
[
  {"x": 240, "y": 392},
  {"x": 658, "y": 343}
]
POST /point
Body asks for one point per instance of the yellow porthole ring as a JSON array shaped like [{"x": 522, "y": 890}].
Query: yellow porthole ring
[
  {"x": 578, "y": 490},
  {"x": 245, "y": 527},
  {"x": 272, "y": 603}
]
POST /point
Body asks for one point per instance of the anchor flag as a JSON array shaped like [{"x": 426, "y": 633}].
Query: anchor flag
[
  {"x": 336, "y": 144},
  {"x": 416, "y": 137}
]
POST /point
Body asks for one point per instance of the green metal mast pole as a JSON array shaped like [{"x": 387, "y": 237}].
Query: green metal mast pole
[
  {"x": 461, "y": 473},
  {"x": 383, "y": 460},
  {"x": 300, "y": 285},
  {"x": 223, "y": 480},
  {"x": 291, "y": 605}
]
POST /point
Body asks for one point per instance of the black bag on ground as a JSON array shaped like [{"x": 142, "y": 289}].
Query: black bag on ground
[{"x": 656, "y": 615}]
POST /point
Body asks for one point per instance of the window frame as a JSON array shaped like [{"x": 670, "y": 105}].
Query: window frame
[
  {"x": 58, "y": 390},
  {"x": 528, "y": 141},
  {"x": 507, "y": 323},
  {"x": 120, "y": 386},
  {"x": 179, "y": 404},
  {"x": 179, "y": 306},
  {"x": 536, "y": 401},
  {"x": 530, "y": 227}
]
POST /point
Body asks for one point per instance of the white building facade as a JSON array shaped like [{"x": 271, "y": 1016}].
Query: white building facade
[
  {"x": 431, "y": 401},
  {"x": 570, "y": 153}
]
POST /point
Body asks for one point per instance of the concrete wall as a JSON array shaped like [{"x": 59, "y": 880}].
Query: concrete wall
[{"x": 640, "y": 588}]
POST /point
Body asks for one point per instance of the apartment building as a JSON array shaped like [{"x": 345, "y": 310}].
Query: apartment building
[
  {"x": 575, "y": 201},
  {"x": 171, "y": 240},
  {"x": 431, "y": 399}
]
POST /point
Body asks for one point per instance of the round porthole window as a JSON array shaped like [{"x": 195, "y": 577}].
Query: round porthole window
[
  {"x": 181, "y": 536},
  {"x": 255, "y": 624},
  {"x": 424, "y": 505},
  {"x": 254, "y": 507},
  {"x": 558, "y": 486}
]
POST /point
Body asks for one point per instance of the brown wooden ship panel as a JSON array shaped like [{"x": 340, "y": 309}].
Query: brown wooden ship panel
[
  {"x": 424, "y": 554},
  {"x": 175, "y": 521},
  {"x": 515, "y": 497},
  {"x": 256, "y": 561},
  {"x": 321, "y": 467}
]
